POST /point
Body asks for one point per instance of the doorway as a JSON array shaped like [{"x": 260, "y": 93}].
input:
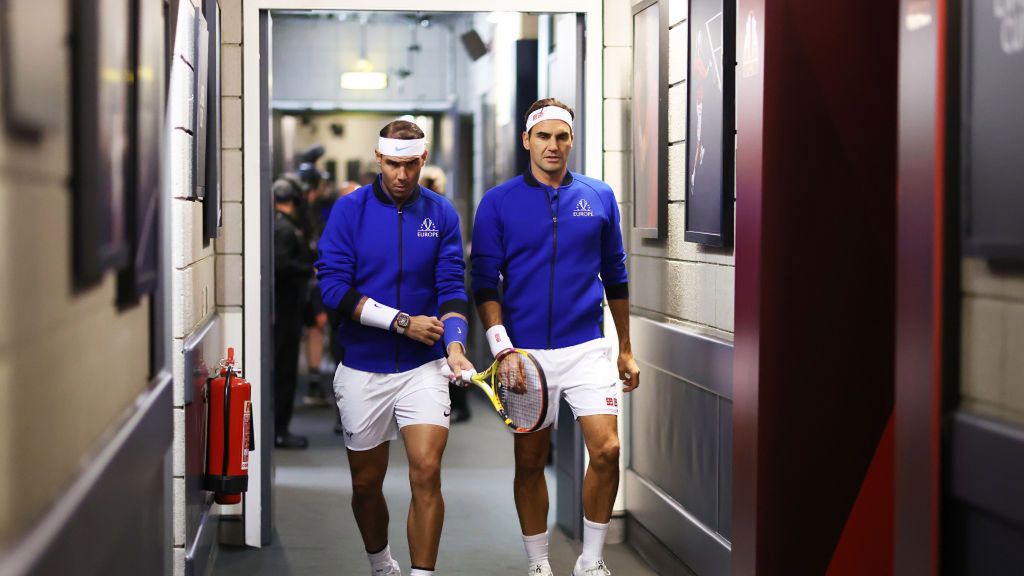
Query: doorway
[{"x": 258, "y": 173}]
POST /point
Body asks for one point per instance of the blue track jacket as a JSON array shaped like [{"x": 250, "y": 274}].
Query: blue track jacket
[
  {"x": 409, "y": 259},
  {"x": 551, "y": 249}
]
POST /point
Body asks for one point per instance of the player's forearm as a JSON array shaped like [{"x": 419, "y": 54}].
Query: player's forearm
[
  {"x": 490, "y": 313},
  {"x": 620, "y": 315}
]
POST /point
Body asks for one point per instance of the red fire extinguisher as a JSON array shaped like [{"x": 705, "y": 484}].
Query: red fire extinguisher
[{"x": 229, "y": 434}]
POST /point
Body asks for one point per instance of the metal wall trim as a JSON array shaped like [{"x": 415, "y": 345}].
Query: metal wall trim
[
  {"x": 201, "y": 357},
  {"x": 987, "y": 466},
  {"x": 704, "y": 551},
  {"x": 653, "y": 552},
  {"x": 110, "y": 492},
  {"x": 701, "y": 360}
]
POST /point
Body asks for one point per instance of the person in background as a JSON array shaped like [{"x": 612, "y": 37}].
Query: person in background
[
  {"x": 293, "y": 266},
  {"x": 314, "y": 316}
]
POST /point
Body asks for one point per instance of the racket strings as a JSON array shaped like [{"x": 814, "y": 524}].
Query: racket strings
[{"x": 524, "y": 409}]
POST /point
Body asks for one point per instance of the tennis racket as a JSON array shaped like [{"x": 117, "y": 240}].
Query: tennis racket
[{"x": 522, "y": 402}]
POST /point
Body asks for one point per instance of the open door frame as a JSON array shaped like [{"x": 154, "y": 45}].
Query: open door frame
[{"x": 258, "y": 519}]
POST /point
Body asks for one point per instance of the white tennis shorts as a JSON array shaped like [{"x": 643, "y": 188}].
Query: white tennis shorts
[
  {"x": 585, "y": 374},
  {"x": 374, "y": 406}
]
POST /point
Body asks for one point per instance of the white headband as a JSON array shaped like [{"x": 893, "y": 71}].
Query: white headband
[
  {"x": 402, "y": 148},
  {"x": 549, "y": 113}
]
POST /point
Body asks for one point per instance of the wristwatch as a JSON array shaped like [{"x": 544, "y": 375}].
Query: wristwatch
[{"x": 402, "y": 322}]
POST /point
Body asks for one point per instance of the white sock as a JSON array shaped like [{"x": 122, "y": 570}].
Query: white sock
[
  {"x": 593, "y": 541},
  {"x": 537, "y": 549},
  {"x": 380, "y": 561},
  {"x": 421, "y": 572}
]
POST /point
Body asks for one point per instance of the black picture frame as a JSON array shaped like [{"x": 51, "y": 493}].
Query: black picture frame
[
  {"x": 146, "y": 103},
  {"x": 649, "y": 128},
  {"x": 101, "y": 81},
  {"x": 200, "y": 120},
  {"x": 211, "y": 200},
  {"x": 711, "y": 123},
  {"x": 991, "y": 171}
]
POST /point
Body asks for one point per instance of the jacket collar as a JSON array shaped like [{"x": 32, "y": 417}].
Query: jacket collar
[
  {"x": 378, "y": 191},
  {"x": 532, "y": 181}
]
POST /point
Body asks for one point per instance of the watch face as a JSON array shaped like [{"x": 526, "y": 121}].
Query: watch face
[{"x": 403, "y": 320}]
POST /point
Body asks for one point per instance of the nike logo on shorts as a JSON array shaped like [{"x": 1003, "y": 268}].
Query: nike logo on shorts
[{"x": 447, "y": 413}]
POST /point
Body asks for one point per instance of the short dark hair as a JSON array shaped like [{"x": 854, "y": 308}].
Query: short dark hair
[
  {"x": 402, "y": 130},
  {"x": 545, "y": 102}
]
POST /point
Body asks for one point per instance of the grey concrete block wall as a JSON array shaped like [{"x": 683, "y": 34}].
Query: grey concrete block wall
[
  {"x": 695, "y": 285},
  {"x": 992, "y": 343}
]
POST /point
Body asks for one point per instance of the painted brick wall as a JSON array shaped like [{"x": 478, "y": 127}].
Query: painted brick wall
[
  {"x": 194, "y": 295},
  {"x": 672, "y": 280},
  {"x": 992, "y": 348}
]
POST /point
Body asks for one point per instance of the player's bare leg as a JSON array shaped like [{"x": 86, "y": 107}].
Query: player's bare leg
[
  {"x": 371, "y": 511},
  {"x": 600, "y": 432},
  {"x": 601, "y": 483},
  {"x": 531, "y": 488},
  {"x": 424, "y": 444}
]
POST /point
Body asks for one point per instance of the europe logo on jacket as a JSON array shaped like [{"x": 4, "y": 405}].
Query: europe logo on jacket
[
  {"x": 582, "y": 209},
  {"x": 427, "y": 229}
]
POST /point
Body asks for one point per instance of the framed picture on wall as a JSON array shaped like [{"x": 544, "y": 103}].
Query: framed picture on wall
[
  {"x": 200, "y": 120},
  {"x": 711, "y": 123},
  {"x": 142, "y": 205},
  {"x": 101, "y": 80},
  {"x": 649, "y": 135},
  {"x": 211, "y": 201},
  {"x": 991, "y": 171},
  {"x": 33, "y": 78}
]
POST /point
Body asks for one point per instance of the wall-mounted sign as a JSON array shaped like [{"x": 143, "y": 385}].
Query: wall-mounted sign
[
  {"x": 993, "y": 122},
  {"x": 711, "y": 124}
]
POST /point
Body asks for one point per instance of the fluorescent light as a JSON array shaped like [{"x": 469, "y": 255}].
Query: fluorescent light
[{"x": 364, "y": 80}]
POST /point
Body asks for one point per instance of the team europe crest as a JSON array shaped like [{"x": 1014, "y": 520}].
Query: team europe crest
[
  {"x": 582, "y": 209},
  {"x": 428, "y": 229}
]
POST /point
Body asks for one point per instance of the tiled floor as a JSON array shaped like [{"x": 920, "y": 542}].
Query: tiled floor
[{"x": 317, "y": 535}]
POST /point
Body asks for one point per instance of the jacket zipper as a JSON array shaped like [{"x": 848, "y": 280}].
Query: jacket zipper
[
  {"x": 554, "y": 252},
  {"x": 398, "y": 337}
]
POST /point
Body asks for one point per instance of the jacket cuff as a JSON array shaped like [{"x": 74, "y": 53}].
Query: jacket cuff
[
  {"x": 349, "y": 302},
  {"x": 456, "y": 305},
  {"x": 617, "y": 291},
  {"x": 486, "y": 295}
]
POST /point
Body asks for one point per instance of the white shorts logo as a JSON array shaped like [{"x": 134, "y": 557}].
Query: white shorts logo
[
  {"x": 427, "y": 229},
  {"x": 582, "y": 209}
]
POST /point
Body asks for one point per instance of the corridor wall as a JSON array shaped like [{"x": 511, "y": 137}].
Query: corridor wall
[
  {"x": 199, "y": 340},
  {"x": 86, "y": 427},
  {"x": 679, "y": 422}
]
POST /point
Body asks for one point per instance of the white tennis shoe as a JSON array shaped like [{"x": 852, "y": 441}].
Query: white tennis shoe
[
  {"x": 540, "y": 570},
  {"x": 597, "y": 569},
  {"x": 393, "y": 570}
]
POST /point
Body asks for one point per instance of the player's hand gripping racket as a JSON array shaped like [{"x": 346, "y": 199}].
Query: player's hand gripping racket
[{"x": 520, "y": 396}]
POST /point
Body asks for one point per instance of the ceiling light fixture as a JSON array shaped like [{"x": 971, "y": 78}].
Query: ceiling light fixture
[{"x": 363, "y": 78}]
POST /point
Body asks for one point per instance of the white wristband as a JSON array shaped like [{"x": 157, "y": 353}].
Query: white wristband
[
  {"x": 498, "y": 340},
  {"x": 377, "y": 315}
]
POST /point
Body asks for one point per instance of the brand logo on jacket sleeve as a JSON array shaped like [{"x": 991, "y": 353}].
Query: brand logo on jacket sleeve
[
  {"x": 582, "y": 209},
  {"x": 428, "y": 229}
]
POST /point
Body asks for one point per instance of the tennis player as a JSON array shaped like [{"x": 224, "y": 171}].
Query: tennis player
[
  {"x": 391, "y": 263},
  {"x": 552, "y": 238}
]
